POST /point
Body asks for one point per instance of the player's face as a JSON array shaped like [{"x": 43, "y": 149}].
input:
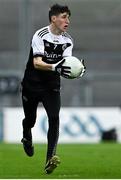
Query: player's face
[{"x": 61, "y": 22}]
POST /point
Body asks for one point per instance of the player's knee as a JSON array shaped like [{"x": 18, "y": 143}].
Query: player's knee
[
  {"x": 29, "y": 122},
  {"x": 32, "y": 124}
]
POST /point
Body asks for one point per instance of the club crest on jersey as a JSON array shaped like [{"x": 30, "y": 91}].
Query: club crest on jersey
[{"x": 64, "y": 47}]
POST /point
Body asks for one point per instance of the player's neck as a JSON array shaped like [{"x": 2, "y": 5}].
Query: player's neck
[{"x": 54, "y": 30}]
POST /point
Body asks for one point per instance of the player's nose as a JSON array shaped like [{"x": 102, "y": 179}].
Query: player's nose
[{"x": 67, "y": 21}]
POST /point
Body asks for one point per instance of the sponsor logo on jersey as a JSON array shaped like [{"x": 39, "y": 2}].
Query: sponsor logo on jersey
[{"x": 52, "y": 55}]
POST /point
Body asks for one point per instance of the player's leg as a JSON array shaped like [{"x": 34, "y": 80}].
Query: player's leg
[
  {"x": 51, "y": 102},
  {"x": 30, "y": 107}
]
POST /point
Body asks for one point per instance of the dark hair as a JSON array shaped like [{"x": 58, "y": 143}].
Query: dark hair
[{"x": 56, "y": 9}]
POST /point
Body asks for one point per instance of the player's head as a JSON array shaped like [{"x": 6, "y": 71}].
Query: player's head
[{"x": 59, "y": 16}]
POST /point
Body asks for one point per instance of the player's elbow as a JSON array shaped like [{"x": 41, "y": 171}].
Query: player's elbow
[{"x": 36, "y": 63}]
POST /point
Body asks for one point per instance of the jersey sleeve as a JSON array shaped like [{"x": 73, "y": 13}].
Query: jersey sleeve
[
  {"x": 68, "y": 51},
  {"x": 37, "y": 45}
]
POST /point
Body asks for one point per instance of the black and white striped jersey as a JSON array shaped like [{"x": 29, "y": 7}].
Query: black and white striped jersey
[{"x": 52, "y": 48}]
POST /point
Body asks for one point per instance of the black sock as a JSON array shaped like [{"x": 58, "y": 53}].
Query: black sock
[
  {"x": 53, "y": 134},
  {"x": 27, "y": 132}
]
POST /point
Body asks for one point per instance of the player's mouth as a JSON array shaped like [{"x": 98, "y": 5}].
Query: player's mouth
[{"x": 65, "y": 27}]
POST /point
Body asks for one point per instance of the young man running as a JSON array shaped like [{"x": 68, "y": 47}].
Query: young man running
[{"x": 41, "y": 82}]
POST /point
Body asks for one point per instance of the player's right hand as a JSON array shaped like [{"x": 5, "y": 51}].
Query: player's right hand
[
  {"x": 83, "y": 70},
  {"x": 61, "y": 69}
]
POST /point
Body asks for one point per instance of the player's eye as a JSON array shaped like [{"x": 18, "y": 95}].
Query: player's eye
[{"x": 64, "y": 16}]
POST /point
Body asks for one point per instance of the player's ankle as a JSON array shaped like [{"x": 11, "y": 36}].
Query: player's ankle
[{"x": 27, "y": 134}]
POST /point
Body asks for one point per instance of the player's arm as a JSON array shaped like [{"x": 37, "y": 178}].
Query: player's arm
[
  {"x": 58, "y": 67},
  {"x": 41, "y": 65},
  {"x": 38, "y": 52}
]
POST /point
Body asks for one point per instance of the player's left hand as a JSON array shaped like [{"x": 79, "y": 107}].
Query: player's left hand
[
  {"x": 61, "y": 69},
  {"x": 83, "y": 70}
]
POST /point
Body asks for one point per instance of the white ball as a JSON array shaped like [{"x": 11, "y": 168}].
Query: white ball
[{"x": 75, "y": 64}]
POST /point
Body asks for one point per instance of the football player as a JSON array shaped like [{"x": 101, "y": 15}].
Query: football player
[{"x": 41, "y": 81}]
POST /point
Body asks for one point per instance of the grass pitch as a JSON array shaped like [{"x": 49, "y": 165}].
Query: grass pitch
[{"x": 77, "y": 161}]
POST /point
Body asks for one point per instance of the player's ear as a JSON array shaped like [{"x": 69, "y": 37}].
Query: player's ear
[{"x": 53, "y": 18}]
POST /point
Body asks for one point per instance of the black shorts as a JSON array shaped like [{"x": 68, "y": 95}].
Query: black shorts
[{"x": 50, "y": 100}]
